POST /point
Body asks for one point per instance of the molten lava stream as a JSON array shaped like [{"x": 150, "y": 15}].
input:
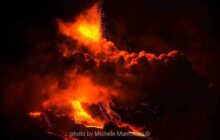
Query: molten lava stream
[{"x": 82, "y": 117}]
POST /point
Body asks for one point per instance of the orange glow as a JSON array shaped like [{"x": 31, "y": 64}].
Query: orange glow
[
  {"x": 34, "y": 114},
  {"x": 86, "y": 29},
  {"x": 89, "y": 92},
  {"x": 81, "y": 88},
  {"x": 82, "y": 117},
  {"x": 89, "y": 32}
]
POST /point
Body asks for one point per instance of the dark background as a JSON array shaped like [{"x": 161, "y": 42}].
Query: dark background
[
  {"x": 155, "y": 26},
  {"x": 189, "y": 26}
]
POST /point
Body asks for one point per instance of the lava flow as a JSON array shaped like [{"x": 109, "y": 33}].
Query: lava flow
[{"x": 81, "y": 116}]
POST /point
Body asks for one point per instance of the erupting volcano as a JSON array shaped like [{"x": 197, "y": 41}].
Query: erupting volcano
[
  {"x": 83, "y": 92},
  {"x": 81, "y": 82}
]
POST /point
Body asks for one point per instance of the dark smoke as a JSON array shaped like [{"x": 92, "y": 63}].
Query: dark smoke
[{"x": 161, "y": 26}]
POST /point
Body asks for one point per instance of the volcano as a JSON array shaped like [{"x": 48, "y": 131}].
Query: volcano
[{"x": 80, "y": 84}]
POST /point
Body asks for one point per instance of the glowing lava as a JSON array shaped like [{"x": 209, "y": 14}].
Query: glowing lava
[{"x": 82, "y": 117}]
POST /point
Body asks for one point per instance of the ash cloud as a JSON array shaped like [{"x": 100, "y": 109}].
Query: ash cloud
[
  {"x": 166, "y": 80},
  {"x": 161, "y": 26}
]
